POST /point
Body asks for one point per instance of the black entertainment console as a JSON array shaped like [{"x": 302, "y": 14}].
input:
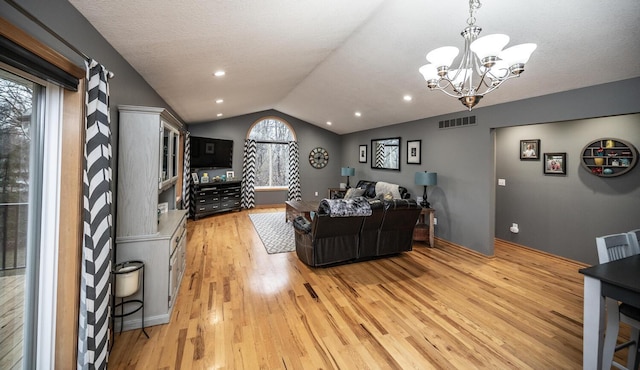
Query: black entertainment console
[{"x": 214, "y": 197}]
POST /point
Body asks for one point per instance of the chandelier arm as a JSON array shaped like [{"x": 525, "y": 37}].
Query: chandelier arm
[
  {"x": 448, "y": 83},
  {"x": 457, "y": 96}
]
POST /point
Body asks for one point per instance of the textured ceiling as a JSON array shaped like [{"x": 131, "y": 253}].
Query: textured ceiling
[{"x": 321, "y": 61}]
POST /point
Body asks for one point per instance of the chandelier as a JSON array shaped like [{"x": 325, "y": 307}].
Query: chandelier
[{"x": 484, "y": 65}]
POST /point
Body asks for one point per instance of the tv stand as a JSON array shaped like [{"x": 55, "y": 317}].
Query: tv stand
[{"x": 214, "y": 197}]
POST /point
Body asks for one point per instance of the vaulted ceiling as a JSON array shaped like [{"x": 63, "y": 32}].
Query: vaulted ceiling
[{"x": 322, "y": 61}]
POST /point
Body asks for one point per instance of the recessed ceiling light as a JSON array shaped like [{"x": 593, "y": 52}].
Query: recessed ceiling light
[
  {"x": 219, "y": 73},
  {"x": 358, "y": 114},
  {"x": 407, "y": 98},
  {"x": 219, "y": 114},
  {"x": 329, "y": 123},
  {"x": 219, "y": 101}
]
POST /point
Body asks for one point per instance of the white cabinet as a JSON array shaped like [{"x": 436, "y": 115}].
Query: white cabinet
[
  {"x": 141, "y": 164},
  {"x": 148, "y": 170},
  {"x": 164, "y": 257}
]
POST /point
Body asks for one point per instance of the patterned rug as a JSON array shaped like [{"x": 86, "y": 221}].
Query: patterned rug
[{"x": 276, "y": 234}]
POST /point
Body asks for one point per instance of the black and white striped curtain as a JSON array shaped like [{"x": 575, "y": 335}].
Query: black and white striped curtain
[
  {"x": 248, "y": 185},
  {"x": 186, "y": 173},
  {"x": 95, "y": 289},
  {"x": 380, "y": 157},
  {"x": 294, "y": 172}
]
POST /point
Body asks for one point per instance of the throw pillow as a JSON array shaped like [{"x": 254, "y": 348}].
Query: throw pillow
[
  {"x": 385, "y": 187},
  {"x": 353, "y": 192}
]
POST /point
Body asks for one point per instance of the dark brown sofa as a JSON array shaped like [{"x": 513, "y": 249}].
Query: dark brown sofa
[{"x": 328, "y": 240}]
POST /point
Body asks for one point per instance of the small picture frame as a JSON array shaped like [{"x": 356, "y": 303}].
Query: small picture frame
[
  {"x": 230, "y": 175},
  {"x": 413, "y": 151},
  {"x": 530, "y": 150},
  {"x": 362, "y": 154},
  {"x": 555, "y": 164}
]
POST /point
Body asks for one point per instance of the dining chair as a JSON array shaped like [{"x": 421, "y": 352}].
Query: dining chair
[
  {"x": 634, "y": 238},
  {"x": 611, "y": 248}
]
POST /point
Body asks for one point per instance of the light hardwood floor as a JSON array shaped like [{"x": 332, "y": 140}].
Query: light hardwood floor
[{"x": 432, "y": 308}]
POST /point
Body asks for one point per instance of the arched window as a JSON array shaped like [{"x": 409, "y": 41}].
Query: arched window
[{"x": 272, "y": 136}]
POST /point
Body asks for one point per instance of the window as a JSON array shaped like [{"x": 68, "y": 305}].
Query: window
[
  {"x": 27, "y": 218},
  {"x": 272, "y": 137}
]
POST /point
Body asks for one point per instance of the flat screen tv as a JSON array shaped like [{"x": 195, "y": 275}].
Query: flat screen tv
[{"x": 211, "y": 153}]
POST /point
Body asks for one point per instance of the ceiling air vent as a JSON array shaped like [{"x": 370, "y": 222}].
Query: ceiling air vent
[{"x": 458, "y": 122}]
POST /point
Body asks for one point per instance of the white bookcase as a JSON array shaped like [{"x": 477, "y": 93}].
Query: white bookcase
[{"x": 149, "y": 166}]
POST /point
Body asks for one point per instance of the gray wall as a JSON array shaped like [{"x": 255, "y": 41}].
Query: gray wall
[
  {"x": 465, "y": 197},
  {"x": 563, "y": 214},
  {"x": 308, "y": 136},
  {"x": 464, "y": 159}
]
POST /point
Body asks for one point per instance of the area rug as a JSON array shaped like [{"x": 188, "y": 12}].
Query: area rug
[{"x": 276, "y": 234}]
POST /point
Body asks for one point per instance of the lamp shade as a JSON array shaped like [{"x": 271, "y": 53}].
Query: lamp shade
[
  {"x": 426, "y": 178},
  {"x": 490, "y": 45},
  {"x": 348, "y": 171},
  {"x": 443, "y": 57},
  {"x": 518, "y": 54},
  {"x": 429, "y": 72}
]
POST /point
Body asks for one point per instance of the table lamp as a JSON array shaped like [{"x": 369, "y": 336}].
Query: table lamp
[
  {"x": 425, "y": 179},
  {"x": 348, "y": 171}
]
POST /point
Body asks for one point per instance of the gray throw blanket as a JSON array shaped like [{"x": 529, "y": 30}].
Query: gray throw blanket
[{"x": 357, "y": 206}]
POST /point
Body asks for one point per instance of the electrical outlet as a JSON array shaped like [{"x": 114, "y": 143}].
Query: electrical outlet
[
  {"x": 316, "y": 193},
  {"x": 435, "y": 221},
  {"x": 502, "y": 182}
]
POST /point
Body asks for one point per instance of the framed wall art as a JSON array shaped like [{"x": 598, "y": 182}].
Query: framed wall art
[
  {"x": 530, "y": 149},
  {"x": 362, "y": 154},
  {"x": 413, "y": 151},
  {"x": 555, "y": 163}
]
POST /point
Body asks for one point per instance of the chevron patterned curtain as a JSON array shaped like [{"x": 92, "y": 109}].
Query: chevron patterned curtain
[
  {"x": 95, "y": 290},
  {"x": 380, "y": 155},
  {"x": 186, "y": 173},
  {"x": 294, "y": 172},
  {"x": 248, "y": 185}
]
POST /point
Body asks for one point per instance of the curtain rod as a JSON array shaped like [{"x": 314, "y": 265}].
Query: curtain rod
[{"x": 46, "y": 28}]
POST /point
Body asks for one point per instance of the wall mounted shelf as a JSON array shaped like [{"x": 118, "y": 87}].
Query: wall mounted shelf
[{"x": 608, "y": 157}]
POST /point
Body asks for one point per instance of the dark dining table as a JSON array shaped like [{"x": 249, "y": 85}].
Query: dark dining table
[{"x": 618, "y": 280}]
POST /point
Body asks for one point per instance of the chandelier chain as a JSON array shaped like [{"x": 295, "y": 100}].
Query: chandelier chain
[{"x": 474, "y": 5}]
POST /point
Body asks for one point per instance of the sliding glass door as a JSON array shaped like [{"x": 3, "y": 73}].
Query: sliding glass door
[{"x": 24, "y": 106}]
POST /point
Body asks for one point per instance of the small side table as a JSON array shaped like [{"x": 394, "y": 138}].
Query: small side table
[
  {"x": 340, "y": 192},
  {"x": 424, "y": 230}
]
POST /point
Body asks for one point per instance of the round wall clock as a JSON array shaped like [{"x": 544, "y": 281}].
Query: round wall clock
[{"x": 318, "y": 157}]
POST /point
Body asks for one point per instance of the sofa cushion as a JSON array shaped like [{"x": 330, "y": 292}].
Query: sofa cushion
[{"x": 344, "y": 207}]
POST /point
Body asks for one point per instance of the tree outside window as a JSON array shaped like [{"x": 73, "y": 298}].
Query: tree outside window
[{"x": 272, "y": 138}]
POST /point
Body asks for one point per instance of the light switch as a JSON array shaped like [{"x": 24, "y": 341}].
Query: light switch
[{"x": 502, "y": 182}]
